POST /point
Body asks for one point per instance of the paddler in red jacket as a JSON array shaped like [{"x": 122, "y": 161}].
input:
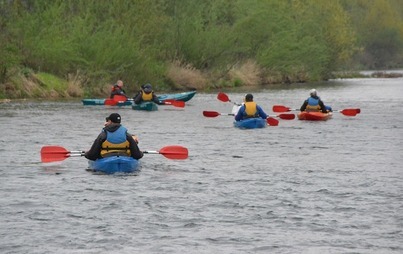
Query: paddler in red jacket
[{"x": 117, "y": 89}]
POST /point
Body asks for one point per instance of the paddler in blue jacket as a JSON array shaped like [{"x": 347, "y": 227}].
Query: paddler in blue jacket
[
  {"x": 314, "y": 103},
  {"x": 114, "y": 140},
  {"x": 250, "y": 109},
  {"x": 146, "y": 94}
]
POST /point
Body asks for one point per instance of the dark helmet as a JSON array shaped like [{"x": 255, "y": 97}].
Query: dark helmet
[
  {"x": 147, "y": 88},
  {"x": 248, "y": 97},
  {"x": 114, "y": 118}
]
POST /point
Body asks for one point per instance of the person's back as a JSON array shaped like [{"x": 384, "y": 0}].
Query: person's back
[
  {"x": 250, "y": 109},
  {"x": 114, "y": 140},
  {"x": 313, "y": 103}
]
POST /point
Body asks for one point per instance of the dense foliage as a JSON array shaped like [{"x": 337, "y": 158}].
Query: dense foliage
[{"x": 211, "y": 41}]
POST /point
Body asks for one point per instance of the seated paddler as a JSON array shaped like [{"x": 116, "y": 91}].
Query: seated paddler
[
  {"x": 250, "y": 109},
  {"x": 314, "y": 103},
  {"x": 146, "y": 94},
  {"x": 117, "y": 89},
  {"x": 114, "y": 140}
]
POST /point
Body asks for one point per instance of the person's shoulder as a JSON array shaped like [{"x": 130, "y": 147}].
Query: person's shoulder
[{"x": 102, "y": 134}]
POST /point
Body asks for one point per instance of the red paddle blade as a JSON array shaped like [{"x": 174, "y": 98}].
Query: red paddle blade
[
  {"x": 287, "y": 116},
  {"x": 119, "y": 98},
  {"x": 222, "y": 97},
  {"x": 210, "y": 114},
  {"x": 280, "y": 108},
  {"x": 174, "y": 152},
  {"x": 175, "y": 103},
  {"x": 350, "y": 111},
  {"x": 110, "y": 102},
  {"x": 53, "y": 153},
  {"x": 358, "y": 110},
  {"x": 271, "y": 121}
]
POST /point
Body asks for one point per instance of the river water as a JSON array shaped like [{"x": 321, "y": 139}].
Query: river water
[{"x": 299, "y": 187}]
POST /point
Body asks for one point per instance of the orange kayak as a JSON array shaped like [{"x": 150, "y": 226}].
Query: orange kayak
[{"x": 314, "y": 116}]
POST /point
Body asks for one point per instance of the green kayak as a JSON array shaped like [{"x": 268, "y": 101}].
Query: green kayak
[
  {"x": 147, "y": 106},
  {"x": 185, "y": 96}
]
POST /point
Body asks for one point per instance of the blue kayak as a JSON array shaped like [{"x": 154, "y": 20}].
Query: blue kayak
[
  {"x": 114, "y": 164},
  {"x": 251, "y": 123},
  {"x": 185, "y": 96}
]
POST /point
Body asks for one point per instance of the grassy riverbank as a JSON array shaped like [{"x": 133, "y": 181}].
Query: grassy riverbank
[{"x": 26, "y": 84}]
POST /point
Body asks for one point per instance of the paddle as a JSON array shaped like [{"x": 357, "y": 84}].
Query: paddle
[
  {"x": 58, "y": 153},
  {"x": 180, "y": 104},
  {"x": 110, "y": 102},
  {"x": 115, "y": 100},
  {"x": 270, "y": 120},
  {"x": 215, "y": 114},
  {"x": 281, "y": 108},
  {"x": 286, "y": 116},
  {"x": 349, "y": 111},
  {"x": 346, "y": 112},
  {"x": 224, "y": 97},
  {"x": 172, "y": 152},
  {"x": 121, "y": 99}
]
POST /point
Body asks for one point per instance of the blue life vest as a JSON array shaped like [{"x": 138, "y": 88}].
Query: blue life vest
[
  {"x": 313, "y": 104},
  {"x": 116, "y": 143}
]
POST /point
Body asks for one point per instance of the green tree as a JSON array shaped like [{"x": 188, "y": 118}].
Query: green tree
[{"x": 379, "y": 28}]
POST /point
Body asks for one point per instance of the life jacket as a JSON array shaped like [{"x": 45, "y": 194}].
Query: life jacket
[
  {"x": 250, "y": 109},
  {"x": 313, "y": 105},
  {"x": 116, "y": 143},
  {"x": 115, "y": 88},
  {"x": 146, "y": 97}
]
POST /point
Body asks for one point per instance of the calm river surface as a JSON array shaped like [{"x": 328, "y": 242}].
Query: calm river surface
[{"x": 300, "y": 187}]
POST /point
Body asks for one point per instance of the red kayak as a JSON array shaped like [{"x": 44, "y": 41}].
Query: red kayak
[{"x": 314, "y": 116}]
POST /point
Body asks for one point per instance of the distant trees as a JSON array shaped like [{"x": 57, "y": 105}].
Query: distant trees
[
  {"x": 379, "y": 28},
  {"x": 136, "y": 40}
]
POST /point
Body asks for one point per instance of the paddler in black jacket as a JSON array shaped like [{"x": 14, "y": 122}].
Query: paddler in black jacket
[
  {"x": 314, "y": 103},
  {"x": 146, "y": 94},
  {"x": 114, "y": 140}
]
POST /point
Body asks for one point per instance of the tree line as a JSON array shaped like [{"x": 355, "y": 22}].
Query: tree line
[{"x": 191, "y": 43}]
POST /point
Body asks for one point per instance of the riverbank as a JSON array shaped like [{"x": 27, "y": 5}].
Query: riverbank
[{"x": 46, "y": 86}]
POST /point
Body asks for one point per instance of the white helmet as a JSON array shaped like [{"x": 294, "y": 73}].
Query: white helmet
[{"x": 313, "y": 92}]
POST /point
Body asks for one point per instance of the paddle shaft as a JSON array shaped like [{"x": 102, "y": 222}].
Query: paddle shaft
[
  {"x": 270, "y": 120},
  {"x": 58, "y": 153},
  {"x": 346, "y": 112},
  {"x": 215, "y": 114},
  {"x": 151, "y": 152},
  {"x": 122, "y": 99}
]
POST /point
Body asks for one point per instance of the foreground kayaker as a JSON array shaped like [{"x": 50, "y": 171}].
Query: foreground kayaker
[
  {"x": 114, "y": 140},
  {"x": 117, "y": 89},
  {"x": 314, "y": 103},
  {"x": 146, "y": 94},
  {"x": 250, "y": 109}
]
